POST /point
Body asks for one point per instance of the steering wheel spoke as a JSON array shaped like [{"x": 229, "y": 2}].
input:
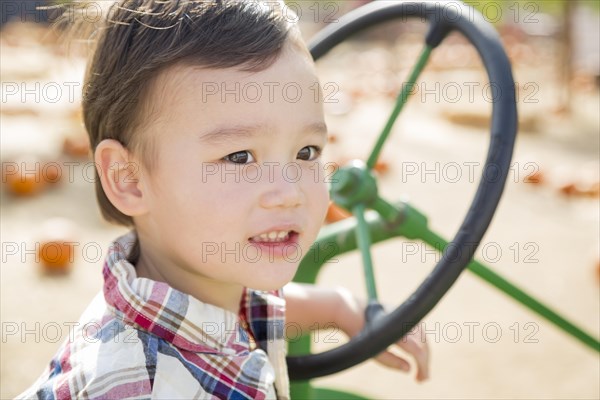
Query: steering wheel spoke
[
  {"x": 364, "y": 244},
  {"x": 407, "y": 89}
]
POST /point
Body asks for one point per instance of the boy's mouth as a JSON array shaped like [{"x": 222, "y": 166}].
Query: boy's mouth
[
  {"x": 278, "y": 242},
  {"x": 275, "y": 236}
]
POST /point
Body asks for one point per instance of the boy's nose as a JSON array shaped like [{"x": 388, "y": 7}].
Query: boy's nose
[{"x": 282, "y": 193}]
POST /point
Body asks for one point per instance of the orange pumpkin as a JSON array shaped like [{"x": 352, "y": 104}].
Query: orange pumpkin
[
  {"x": 52, "y": 172},
  {"x": 382, "y": 167},
  {"x": 56, "y": 256},
  {"x": 336, "y": 213},
  {"x": 77, "y": 146},
  {"x": 536, "y": 178},
  {"x": 56, "y": 251},
  {"x": 568, "y": 189},
  {"x": 24, "y": 177}
]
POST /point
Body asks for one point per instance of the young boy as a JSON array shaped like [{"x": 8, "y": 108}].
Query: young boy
[{"x": 207, "y": 133}]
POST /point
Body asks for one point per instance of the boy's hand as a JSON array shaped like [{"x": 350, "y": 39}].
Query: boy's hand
[
  {"x": 309, "y": 305},
  {"x": 351, "y": 321},
  {"x": 416, "y": 347}
]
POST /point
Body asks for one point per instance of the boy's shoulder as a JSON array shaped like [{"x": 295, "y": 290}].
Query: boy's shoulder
[{"x": 105, "y": 357}]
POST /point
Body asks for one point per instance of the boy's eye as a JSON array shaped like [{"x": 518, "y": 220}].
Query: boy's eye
[
  {"x": 240, "y": 157},
  {"x": 309, "y": 153}
]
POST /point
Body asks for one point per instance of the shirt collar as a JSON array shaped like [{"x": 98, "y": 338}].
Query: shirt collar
[{"x": 168, "y": 313}]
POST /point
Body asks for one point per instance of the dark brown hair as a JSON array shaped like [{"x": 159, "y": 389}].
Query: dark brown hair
[{"x": 139, "y": 39}]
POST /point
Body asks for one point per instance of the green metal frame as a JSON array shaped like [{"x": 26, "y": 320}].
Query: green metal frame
[
  {"x": 340, "y": 237},
  {"x": 354, "y": 187}
]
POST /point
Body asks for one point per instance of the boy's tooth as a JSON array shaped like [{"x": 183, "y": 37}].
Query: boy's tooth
[{"x": 272, "y": 236}]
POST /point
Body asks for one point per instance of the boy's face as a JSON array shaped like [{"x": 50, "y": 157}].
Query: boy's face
[{"x": 237, "y": 157}]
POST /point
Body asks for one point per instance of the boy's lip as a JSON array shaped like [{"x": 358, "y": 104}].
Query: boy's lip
[
  {"x": 279, "y": 249},
  {"x": 281, "y": 227}
]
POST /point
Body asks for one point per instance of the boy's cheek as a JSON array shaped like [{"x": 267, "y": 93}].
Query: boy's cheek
[{"x": 319, "y": 200}]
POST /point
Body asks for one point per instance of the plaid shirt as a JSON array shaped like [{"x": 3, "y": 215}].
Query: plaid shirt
[{"x": 144, "y": 339}]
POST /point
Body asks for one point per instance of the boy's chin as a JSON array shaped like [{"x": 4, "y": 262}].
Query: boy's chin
[{"x": 274, "y": 282}]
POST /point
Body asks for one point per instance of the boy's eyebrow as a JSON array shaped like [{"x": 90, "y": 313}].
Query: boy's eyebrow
[{"x": 231, "y": 133}]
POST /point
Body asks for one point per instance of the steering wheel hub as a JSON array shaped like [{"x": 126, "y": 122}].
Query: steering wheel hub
[{"x": 353, "y": 184}]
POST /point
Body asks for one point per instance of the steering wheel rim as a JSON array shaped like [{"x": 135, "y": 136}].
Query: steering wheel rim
[{"x": 443, "y": 18}]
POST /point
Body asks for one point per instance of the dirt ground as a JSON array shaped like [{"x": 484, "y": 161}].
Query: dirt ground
[{"x": 483, "y": 344}]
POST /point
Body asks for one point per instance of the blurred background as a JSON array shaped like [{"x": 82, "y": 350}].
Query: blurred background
[{"x": 545, "y": 236}]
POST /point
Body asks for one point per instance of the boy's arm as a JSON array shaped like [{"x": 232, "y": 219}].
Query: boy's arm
[{"x": 313, "y": 307}]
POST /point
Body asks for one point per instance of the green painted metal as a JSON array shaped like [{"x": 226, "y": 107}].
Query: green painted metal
[
  {"x": 337, "y": 239},
  {"x": 522, "y": 297},
  {"x": 298, "y": 346},
  {"x": 355, "y": 188},
  {"x": 353, "y": 184},
  {"x": 401, "y": 220},
  {"x": 407, "y": 89},
  {"x": 340, "y": 237},
  {"x": 512, "y": 290},
  {"x": 364, "y": 244},
  {"x": 304, "y": 391},
  {"x": 408, "y": 222},
  {"x": 329, "y": 394}
]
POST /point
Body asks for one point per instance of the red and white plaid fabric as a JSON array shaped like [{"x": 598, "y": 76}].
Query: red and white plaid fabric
[{"x": 143, "y": 339}]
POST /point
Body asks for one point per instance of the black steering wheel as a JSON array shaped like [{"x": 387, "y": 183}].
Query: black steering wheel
[{"x": 443, "y": 17}]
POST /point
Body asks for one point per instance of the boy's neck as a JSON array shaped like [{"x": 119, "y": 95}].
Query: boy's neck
[{"x": 223, "y": 295}]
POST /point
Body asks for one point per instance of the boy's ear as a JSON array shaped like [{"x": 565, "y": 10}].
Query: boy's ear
[{"x": 120, "y": 177}]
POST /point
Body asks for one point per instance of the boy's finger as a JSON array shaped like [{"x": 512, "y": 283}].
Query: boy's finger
[
  {"x": 393, "y": 361},
  {"x": 420, "y": 352}
]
